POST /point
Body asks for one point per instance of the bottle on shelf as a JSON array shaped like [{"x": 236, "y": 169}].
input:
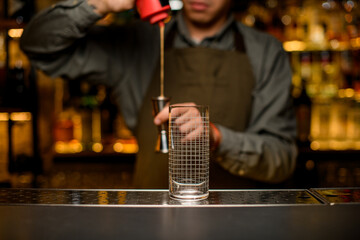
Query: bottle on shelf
[
  {"x": 67, "y": 125},
  {"x": 4, "y": 149},
  {"x": 329, "y": 83},
  {"x": 90, "y": 118},
  {"x": 108, "y": 112},
  {"x": 302, "y": 104},
  {"x": 3, "y": 65}
]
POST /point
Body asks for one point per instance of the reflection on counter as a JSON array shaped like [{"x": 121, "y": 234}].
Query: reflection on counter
[
  {"x": 314, "y": 196},
  {"x": 155, "y": 197},
  {"x": 336, "y": 196}
]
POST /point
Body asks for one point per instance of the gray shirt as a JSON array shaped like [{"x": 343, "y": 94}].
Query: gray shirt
[{"x": 63, "y": 41}]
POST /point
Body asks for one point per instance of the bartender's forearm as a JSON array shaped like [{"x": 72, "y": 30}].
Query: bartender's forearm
[
  {"x": 54, "y": 41},
  {"x": 260, "y": 157},
  {"x": 102, "y": 7},
  {"x": 56, "y": 28},
  {"x": 266, "y": 151}
]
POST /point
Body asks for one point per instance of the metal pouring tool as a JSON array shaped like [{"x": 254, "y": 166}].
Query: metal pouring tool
[{"x": 162, "y": 144}]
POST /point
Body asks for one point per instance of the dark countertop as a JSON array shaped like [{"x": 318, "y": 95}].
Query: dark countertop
[{"x": 138, "y": 214}]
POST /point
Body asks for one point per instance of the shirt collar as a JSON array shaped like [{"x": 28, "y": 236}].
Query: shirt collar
[{"x": 184, "y": 32}]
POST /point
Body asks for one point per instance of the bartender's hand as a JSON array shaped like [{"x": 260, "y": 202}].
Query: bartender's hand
[
  {"x": 187, "y": 127},
  {"x": 103, "y": 7}
]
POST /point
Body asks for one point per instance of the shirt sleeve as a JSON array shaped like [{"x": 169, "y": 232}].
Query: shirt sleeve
[
  {"x": 52, "y": 38},
  {"x": 64, "y": 41},
  {"x": 266, "y": 151}
]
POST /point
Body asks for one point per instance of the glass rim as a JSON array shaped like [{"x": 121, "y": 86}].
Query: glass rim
[{"x": 187, "y": 106}]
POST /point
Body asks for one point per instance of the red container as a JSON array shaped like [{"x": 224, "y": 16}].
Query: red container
[{"x": 152, "y": 11}]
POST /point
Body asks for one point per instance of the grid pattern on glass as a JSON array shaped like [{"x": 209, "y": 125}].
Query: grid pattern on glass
[{"x": 189, "y": 151}]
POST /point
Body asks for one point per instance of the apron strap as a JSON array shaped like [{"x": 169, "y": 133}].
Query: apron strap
[{"x": 238, "y": 38}]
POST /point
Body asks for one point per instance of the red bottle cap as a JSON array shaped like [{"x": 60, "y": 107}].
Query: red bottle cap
[{"x": 152, "y": 10}]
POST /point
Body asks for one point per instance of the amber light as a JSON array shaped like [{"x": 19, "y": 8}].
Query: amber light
[
  {"x": 126, "y": 146},
  {"x": 291, "y": 46},
  {"x": 4, "y": 117},
  {"x": 97, "y": 147},
  {"x": 355, "y": 42},
  {"x": 15, "y": 32},
  {"x": 103, "y": 197},
  {"x": 21, "y": 116},
  {"x": 74, "y": 146}
]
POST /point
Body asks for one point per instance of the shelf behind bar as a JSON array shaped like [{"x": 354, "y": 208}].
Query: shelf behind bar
[{"x": 10, "y": 23}]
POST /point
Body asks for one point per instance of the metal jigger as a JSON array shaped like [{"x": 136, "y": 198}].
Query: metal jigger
[{"x": 162, "y": 144}]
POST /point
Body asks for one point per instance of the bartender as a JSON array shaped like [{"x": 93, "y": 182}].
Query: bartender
[{"x": 241, "y": 73}]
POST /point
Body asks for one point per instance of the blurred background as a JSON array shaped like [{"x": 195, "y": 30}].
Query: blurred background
[{"x": 59, "y": 134}]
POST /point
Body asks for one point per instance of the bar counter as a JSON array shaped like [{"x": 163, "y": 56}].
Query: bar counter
[{"x": 140, "y": 214}]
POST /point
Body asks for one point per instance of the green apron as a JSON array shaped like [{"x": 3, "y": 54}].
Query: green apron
[{"x": 223, "y": 80}]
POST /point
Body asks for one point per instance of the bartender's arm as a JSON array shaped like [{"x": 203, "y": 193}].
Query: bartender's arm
[
  {"x": 103, "y": 7},
  {"x": 63, "y": 40},
  {"x": 266, "y": 150}
]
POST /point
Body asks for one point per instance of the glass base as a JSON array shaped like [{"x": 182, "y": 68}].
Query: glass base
[
  {"x": 191, "y": 197},
  {"x": 181, "y": 191}
]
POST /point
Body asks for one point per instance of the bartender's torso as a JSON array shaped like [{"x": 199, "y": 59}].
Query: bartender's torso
[{"x": 219, "y": 76}]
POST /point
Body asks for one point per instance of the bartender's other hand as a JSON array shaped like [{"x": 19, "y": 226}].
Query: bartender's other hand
[
  {"x": 103, "y": 7},
  {"x": 215, "y": 134},
  {"x": 188, "y": 120},
  {"x": 163, "y": 115}
]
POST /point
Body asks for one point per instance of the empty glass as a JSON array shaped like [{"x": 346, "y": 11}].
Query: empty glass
[{"x": 189, "y": 152}]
